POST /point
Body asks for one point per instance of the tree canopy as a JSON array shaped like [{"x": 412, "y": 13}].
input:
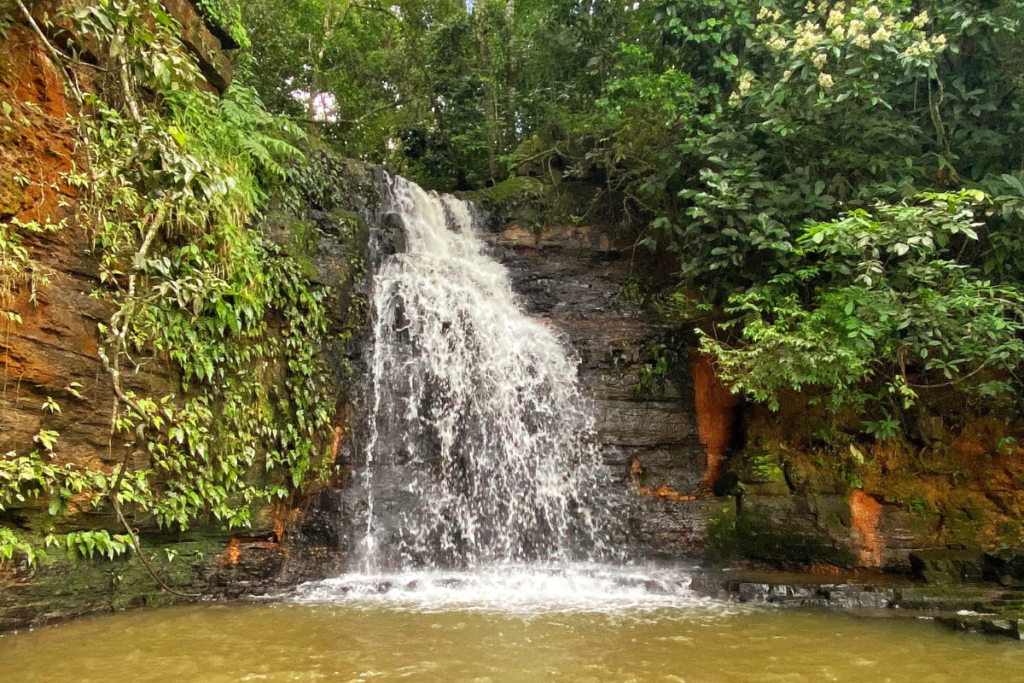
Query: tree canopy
[{"x": 841, "y": 181}]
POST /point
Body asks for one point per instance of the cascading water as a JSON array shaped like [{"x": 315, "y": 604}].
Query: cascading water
[
  {"x": 484, "y": 486},
  {"x": 478, "y": 404}
]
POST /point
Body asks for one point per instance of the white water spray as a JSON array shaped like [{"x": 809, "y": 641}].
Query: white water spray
[{"x": 477, "y": 403}]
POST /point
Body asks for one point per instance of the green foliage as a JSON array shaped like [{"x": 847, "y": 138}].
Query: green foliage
[
  {"x": 878, "y": 298},
  {"x": 206, "y": 299},
  {"x": 816, "y": 167},
  {"x": 10, "y": 544},
  {"x": 765, "y": 467},
  {"x": 919, "y": 506},
  {"x": 171, "y": 196},
  {"x": 439, "y": 94},
  {"x": 37, "y": 474},
  {"x": 226, "y": 16},
  {"x": 735, "y": 134},
  {"x": 655, "y": 369},
  {"x": 91, "y": 543}
]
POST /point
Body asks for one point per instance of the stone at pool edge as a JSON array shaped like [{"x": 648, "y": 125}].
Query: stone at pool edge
[
  {"x": 947, "y": 566},
  {"x": 1012, "y": 628},
  {"x": 951, "y": 566},
  {"x": 987, "y": 609}
]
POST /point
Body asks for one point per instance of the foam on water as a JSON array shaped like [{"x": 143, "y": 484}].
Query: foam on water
[{"x": 522, "y": 590}]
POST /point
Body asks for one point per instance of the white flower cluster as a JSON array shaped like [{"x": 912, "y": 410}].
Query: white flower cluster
[
  {"x": 746, "y": 81},
  {"x": 778, "y": 44},
  {"x": 926, "y": 47},
  {"x": 745, "y": 84},
  {"x": 882, "y": 35},
  {"x": 843, "y": 24},
  {"x": 919, "y": 49},
  {"x": 855, "y": 33},
  {"x": 807, "y": 36}
]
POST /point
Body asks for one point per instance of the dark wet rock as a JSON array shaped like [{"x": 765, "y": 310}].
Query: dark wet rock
[
  {"x": 1005, "y": 565},
  {"x": 903, "y": 532},
  {"x": 389, "y": 238},
  {"x": 861, "y": 597},
  {"x": 835, "y": 596},
  {"x": 1012, "y": 628},
  {"x": 677, "y": 467},
  {"x": 247, "y": 567},
  {"x": 948, "y": 566},
  {"x": 945, "y": 599},
  {"x": 644, "y": 423},
  {"x": 968, "y": 608},
  {"x": 566, "y": 276},
  {"x": 204, "y": 40},
  {"x": 673, "y": 529},
  {"x": 795, "y": 529}
]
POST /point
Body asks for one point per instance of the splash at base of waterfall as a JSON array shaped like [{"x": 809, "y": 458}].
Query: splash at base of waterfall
[{"x": 521, "y": 590}]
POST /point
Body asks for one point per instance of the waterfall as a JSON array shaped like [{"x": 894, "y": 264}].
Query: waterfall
[{"x": 477, "y": 404}]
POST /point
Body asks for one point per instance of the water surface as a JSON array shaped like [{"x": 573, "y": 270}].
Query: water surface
[{"x": 512, "y": 627}]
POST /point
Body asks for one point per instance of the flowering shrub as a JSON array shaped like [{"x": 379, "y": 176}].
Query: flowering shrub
[{"x": 847, "y": 52}]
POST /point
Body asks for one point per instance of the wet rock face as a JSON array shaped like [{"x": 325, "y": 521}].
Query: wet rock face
[
  {"x": 671, "y": 449},
  {"x": 795, "y": 529},
  {"x": 572, "y": 277},
  {"x": 953, "y": 566}
]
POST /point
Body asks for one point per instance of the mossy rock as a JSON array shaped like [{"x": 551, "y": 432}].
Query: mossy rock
[
  {"x": 1005, "y": 565},
  {"x": 518, "y": 199},
  {"x": 63, "y": 585},
  {"x": 515, "y": 189},
  {"x": 947, "y": 566},
  {"x": 762, "y": 474},
  {"x": 721, "y": 535},
  {"x": 11, "y": 195},
  {"x": 793, "y": 530}
]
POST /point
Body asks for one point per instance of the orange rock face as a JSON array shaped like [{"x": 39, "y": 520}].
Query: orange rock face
[
  {"x": 866, "y": 512},
  {"x": 716, "y": 415},
  {"x": 53, "y": 352}
]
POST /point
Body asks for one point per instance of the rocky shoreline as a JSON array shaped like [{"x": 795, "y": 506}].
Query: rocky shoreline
[{"x": 971, "y": 608}]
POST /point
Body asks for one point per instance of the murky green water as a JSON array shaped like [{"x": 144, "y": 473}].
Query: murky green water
[{"x": 289, "y": 642}]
